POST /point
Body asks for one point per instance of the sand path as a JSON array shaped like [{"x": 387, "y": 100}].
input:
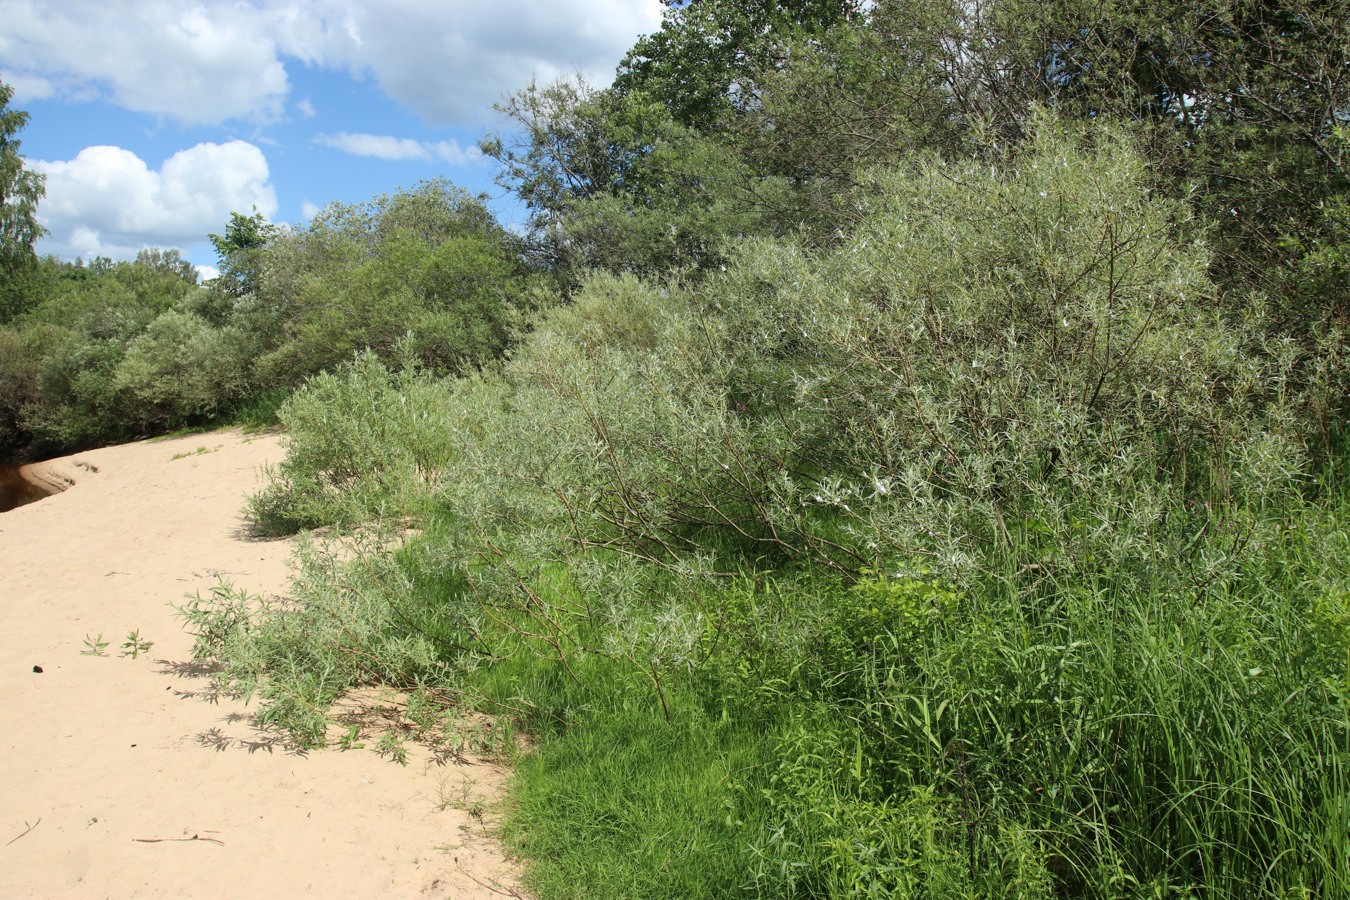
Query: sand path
[{"x": 110, "y": 752}]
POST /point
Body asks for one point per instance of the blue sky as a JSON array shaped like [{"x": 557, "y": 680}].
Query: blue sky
[{"x": 154, "y": 119}]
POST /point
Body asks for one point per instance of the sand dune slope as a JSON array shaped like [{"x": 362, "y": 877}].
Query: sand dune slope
[{"x": 124, "y": 777}]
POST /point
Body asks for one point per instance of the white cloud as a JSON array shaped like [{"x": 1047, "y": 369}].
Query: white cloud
[
  {"x": 108, "y": 202},
  {"x": 393, "y": 148},
  {"x": 27, "y": 87},
  {"x": 195, "y": 63},
  {"x": 214, "y": 61},
  {"x": 449, "y": 60}
]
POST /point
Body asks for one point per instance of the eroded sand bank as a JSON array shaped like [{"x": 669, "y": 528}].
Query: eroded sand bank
[{"x": 125, "y": 760}]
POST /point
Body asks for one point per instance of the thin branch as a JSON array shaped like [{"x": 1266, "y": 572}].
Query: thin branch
[
  {"x": 25, "y": 831},
  {"x": 195, "y": 837}
]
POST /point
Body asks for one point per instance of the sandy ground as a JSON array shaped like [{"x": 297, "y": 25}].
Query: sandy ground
[{"x": 124, "y": 777}]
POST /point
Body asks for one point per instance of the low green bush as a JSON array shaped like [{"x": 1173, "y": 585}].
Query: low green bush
[
  {"x": 362, "y": 443},
  {"x": 180, "y": 370}
]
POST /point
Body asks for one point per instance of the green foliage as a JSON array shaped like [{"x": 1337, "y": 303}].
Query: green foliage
[
  {"x": 1234, "y": 101},
  {"x": 240, "y": 251},
  {"x": 962, "y": 557},
  {"x": 429, "y": 262},
  {"x": 564, "y": 153},
  {"x": 704, "y": 61},
  {"x": 18, "y": 383},
  {"x": 110, "y": 351},
  {"x": 615, "y": 183},
  {"x": 361, "y": 442},
  {"x": 135, "y": 645},
  {"x": 917, "y": 495},
  {"x": 991, "y": 349},
  {"x": 20, "y": 190},
  {"x": 693, "y": 199},
  {"x": 998, "y": 352},
  {"x": 78, "y": 383},
  {"x": 392, "y": 746},
  {"x": 259, "y": 411},
  {"x": 902, "y": 609},
  {"x": 94, "y": 646},
  {"x": 834, "y": 832},
  {"x": 345, "y": 624},
  {"x": 74, "y": 390},
  {"x": 181, "y": 369},
  {"x": 632, "y": 806}
]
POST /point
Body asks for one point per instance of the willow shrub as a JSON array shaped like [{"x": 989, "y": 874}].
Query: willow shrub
[
  {"x": 181, "y": 369},
  {"x": 344, "y": 624},
  {"x": 362, "y": 443},
  {"x": 1019, "y": 358},
  {"x": 997, "y": 356}
]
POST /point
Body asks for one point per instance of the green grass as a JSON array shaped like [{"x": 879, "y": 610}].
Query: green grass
[
  {"x": 200, "y": 451},
  {"x": 1088, "y": 737},
  {"x": 630, "y": 805}
]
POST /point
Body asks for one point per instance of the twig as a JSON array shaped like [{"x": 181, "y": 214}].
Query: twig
[
  {"x": 195, "y": 837},
  {"x": 506, "y": 893},
  {"x": 25, "y": 831}
]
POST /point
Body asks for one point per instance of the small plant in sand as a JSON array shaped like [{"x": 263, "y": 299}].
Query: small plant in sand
[
  {"x": 94, "y": 646},
  {"x": 391, "y": 745},
  {"x": 350, "y": 740},
  {"x": 460, "y": 797},
  {"x": 134, "y": 646}
]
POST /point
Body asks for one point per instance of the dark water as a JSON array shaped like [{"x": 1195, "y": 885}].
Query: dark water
[{"x": 15, "y": 491}]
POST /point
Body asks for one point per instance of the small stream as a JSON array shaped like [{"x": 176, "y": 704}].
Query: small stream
[{"x": 16, "y": 490}]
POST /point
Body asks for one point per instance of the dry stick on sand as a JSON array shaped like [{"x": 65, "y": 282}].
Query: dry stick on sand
[
  {"x": 25, "y": 831},
  {"x": 495, "y": 890},
  {"x": 195, "y": 837}
]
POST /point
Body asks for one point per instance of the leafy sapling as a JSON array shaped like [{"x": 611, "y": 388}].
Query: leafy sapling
[
  {"x": 392, "y": 746},
  {"x": 134, "y": 646},
  {"x": 94, "y": 646}
]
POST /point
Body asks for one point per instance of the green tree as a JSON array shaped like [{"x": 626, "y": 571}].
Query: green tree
[
  {"x": 62, "y": 354},
  {"x": 1240, "y": 101},
  {"x": 706, "y": 58},
  {"x": 614, "y": 182},
  {"x": 565, "y": 146},
  {"x": 238, "y": 250},
  {"x": 20, "y": 190},
  {"x": 426, "y": 267}
]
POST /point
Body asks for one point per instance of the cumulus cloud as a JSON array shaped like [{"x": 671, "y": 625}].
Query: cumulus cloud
[
  {"x": 393, "y": 148},
  {"x": 196, "y": 63},
  {"x": 215, "y": 61},
  {"x": 108, "y": 202},
  {"x": 449, "y": 61}
]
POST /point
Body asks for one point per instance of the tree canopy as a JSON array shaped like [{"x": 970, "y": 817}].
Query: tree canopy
[{"x": 20, "y": 190}]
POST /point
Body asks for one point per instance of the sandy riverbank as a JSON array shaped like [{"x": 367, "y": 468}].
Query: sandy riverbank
[{"x": 109, "y": 766}]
